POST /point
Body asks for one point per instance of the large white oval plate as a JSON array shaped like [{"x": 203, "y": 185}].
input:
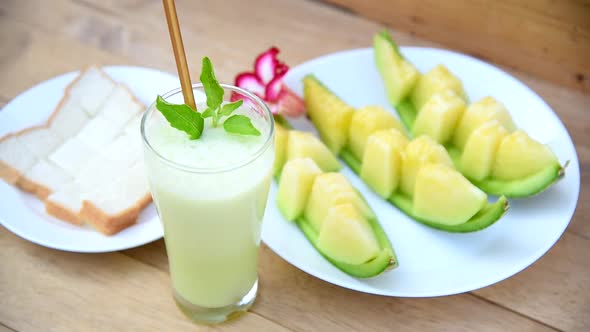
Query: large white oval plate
[
  {"x": 24, "y": 214},
  {"x": 432, "y": 262}
]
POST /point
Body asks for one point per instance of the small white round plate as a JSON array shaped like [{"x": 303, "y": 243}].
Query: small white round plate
[
  {"x": 24, "y": 214},
  {"x": 432, "y": 262}
]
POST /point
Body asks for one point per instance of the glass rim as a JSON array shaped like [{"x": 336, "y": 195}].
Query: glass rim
[{"x": 208, "y": 170}]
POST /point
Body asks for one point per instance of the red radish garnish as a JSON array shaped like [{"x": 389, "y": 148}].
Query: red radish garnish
[{"x": 267, "y": 83}]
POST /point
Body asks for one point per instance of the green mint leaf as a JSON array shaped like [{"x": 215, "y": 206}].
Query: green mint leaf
[
  {"x": 213, "y": 90},
  {"x": 208, "y": 113},
  {"x": 228, "y": 109},
  {"x": 241, "y": 125},
  {"x": 181, "y": 117}
]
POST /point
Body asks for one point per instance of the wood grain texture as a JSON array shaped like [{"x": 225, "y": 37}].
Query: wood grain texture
[
  {"x": 42, "y": 39},
  {"x": 4, "y": 328},
  {"x": 43, "y": 289},
  {"x": 550, "y": 289},
  {"x": 304, "y": 303},
  {"x": 547, "y": 38},
  {"x": 115, "y": 32}
]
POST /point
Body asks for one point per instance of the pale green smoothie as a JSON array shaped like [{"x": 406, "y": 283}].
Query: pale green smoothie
[{"x": 211, "y": 207}]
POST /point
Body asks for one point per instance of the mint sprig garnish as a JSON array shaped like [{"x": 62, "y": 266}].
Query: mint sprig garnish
[
  {"x": 240, "y": 124},
  {"x": 181, "y": 117},
  {"x": 184, "y": 118}
]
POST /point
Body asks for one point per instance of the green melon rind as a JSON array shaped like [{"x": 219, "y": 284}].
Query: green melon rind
[
  {"x": 405, "y": 109},
  {"x": 521, "y": 188},
  {"x": 407, "y": 113},
  {"x": 386, "y": 259},
  {"x": 486, "y": 217}
]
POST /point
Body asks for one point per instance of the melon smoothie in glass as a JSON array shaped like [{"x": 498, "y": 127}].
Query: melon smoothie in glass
[{"x": 211, "y": 194}]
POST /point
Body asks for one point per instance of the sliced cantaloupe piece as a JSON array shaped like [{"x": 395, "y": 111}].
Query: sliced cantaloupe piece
[
  {"x": 305, "y": 145},
  {"x": 281, "y": 138},
  {"x": 382, "y": 161},
  {"x": 331, "y": 189},
  {"x": 399, "y": 75},
  {"x": 478, "y": 113},
  {"x": 295, "y": 186},
  {"x": 420, "y": 151},
  {"x": 346, "y": 236},
  {"x": 479, "y": 152},
  {"x": 442, "y": 195},
  {"x": 328, "y": 112},
  {"x": 436, "y": 80},
  {"x": 366, "y": 121},
  {"x": 520, "y": 156},
  {"x": 439, "y": 116}
]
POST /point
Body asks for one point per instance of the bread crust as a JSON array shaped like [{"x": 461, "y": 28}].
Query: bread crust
[
  {"x": 61, "y": 212},
  {"x": 90, "y": 213},
  {"x": 8, "y": 173}
]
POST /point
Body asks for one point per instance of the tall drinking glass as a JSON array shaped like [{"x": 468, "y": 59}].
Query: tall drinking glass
[{"x": 211, "y": 194}]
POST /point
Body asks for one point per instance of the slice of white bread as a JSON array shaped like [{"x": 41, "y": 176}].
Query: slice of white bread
[
  {"x": 98, "y": 172},
  {"x": 44, "y": 178},
  {"x": 68, "y": 118},
  {"x": 91, "y": 90},
  {"x": 116, "y": 206},
  {"x": 15, "y": 158},
  {"x": 72, "y": 155},
  {"x": 86, "y": 162},
  {"x": 121, "y": 106},
  {"x": 65, "y": 204},
  {"x": 40, "y": 140},
  {"x": 134, "y": 126}
]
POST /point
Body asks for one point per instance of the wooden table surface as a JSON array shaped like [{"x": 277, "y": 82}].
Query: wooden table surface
[{"x": 48, "y": 290}]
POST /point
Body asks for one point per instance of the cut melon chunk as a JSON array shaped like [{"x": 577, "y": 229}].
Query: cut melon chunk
[
  {"x": 442, "y": 195},
  {"x": 329, "y": 114},
  {"x": 520, "y": 156},
  {"x": 478, "y": 113},
  {"x": 422, "y": 150},
  {"x": 439, "y": 116},
  {"x": 295, "y": 186},
  {"x": 366, "y": 121},
  {"x": 381, "y": 164},
  {"x": 331, "y": 189},
  {"x": 281, "y": 139},
  {"x": 399, "y": 75},
  {"x": 347, "y": 237},
  {"x": 438, "y": 79},
  {"x": 480, "y": 150},
  {"x": 305, "y": 145}
]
